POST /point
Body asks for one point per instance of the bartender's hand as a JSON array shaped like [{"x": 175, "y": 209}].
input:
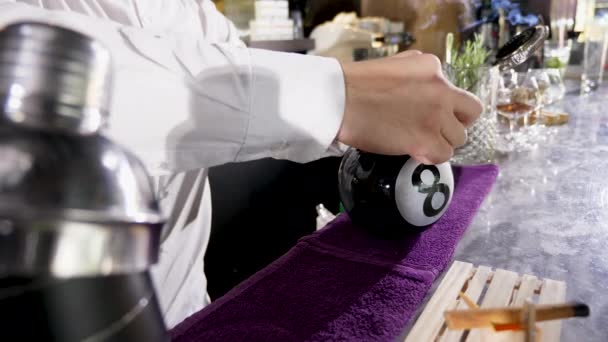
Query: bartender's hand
[{"x": 404, "y": 105}]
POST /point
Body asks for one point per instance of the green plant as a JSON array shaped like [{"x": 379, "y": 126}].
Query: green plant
[{"x": 466, "y": 63}]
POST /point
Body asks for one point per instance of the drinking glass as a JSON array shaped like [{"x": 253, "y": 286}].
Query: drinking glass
[
  {"x": 483, "y": 82},
  {"x": 594, "y": 56},
  {"x": 541, "y": 81},
  {"x": 518, "y": 97},
  {"x": 557, "y": 88},
  {"x": 552, "y": 90},
  {"x": 557, "y": 55}
]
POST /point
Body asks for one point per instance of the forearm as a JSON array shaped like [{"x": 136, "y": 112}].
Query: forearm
[{"x": 181, "y": 102}]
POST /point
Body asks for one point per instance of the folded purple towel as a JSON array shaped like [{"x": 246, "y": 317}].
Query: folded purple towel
[{"x": 342, "y": 283}]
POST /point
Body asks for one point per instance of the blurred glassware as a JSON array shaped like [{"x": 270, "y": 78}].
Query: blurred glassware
[
  {"x": 298, "y": 24},
  {"x": 552, "y": 102},
  {"x": 483, "y": 82},
  {"x": 519, "y": 93},
  {"x": 557, "y": 56},
  {"x": 594, "y": 56},
  {"x": 552, "y": 90},
  {"x": 557, "y": 87},
  {"x": 362, "y": 54},
  {"x": 518, "y": 97},
  {"x": 546, "y": 83}
]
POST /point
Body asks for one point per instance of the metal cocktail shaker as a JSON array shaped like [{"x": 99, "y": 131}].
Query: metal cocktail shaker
[{"x": 79, "y": 222}]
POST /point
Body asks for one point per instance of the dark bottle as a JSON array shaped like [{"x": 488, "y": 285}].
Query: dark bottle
[{"x": 393, "y": 194}]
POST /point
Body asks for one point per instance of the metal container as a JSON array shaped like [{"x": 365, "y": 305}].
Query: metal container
[
  {"x": 79, "y": 222},
  {"x": 72, "y": 203},
  {"x": 73, "y": 206},
  {"x": 115, "y": 308}
]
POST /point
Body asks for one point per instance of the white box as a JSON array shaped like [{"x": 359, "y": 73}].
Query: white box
[
  {"x": 271, "y": 29},
  {"x": 268, "y": 9}
]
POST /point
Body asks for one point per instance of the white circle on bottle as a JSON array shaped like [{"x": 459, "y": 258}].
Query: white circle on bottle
[{"x": 423, "y": 192}]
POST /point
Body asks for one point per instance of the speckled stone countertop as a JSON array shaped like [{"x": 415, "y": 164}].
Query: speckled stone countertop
[{"x": 547, "y": 215}]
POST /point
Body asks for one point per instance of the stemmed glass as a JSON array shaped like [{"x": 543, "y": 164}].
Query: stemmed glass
[
  {"x": 539, "y": 82},
  {"x": 552, "y": 90},
  {"x": 518, "y": 97},
  {"x": 557, "y": 88}
]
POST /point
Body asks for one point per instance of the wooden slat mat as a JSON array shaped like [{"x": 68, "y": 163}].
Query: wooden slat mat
[{"x": 489, "y": 289}]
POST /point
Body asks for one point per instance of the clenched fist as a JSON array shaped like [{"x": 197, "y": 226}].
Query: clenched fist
[{"x": 404, "y": 105}]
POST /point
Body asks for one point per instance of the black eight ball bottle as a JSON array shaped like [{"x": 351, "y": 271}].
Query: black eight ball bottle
[{"x": 393, "y": 194}]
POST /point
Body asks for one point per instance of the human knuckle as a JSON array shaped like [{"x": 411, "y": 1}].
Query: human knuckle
[
  {"x": 429, "y": 122},
  {"x": 439, "y": 104},
  {"x": 437, "y": 83},
  {"x": 432, "y": 61}
]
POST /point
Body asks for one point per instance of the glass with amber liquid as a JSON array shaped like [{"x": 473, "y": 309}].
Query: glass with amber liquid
[{"x": 518, "y": 98}]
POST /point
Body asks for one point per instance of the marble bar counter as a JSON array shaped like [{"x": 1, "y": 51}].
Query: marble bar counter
[{"x": 547, "y": 215}]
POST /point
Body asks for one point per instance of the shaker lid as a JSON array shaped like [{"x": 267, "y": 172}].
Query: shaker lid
[
  {"x": 519, "y": 48},
  {"x": 72, "y": 202},
  {"x": 53, "y": 78}
]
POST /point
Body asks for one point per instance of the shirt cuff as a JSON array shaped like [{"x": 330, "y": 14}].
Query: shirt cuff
[{"x": 297, "y": 106}]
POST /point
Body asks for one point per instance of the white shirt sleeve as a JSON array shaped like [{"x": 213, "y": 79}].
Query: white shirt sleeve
[{"x": 191, "y": 95}]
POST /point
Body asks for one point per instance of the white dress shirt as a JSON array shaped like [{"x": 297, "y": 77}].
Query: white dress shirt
[{"x": 189, "y": 95}]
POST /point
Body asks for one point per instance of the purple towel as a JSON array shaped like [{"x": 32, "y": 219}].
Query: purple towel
[{"x": 342, "y": 283}]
